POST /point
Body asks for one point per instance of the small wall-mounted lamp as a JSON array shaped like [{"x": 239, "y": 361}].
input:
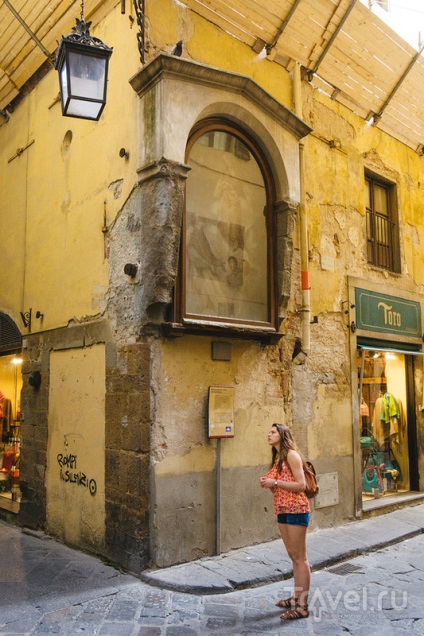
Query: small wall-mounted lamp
[
  {"x": 124, "y": 153},
  {"x": 82, "y": 63},
  {"x": 130, "y": 269},
  {"x": 34, "y": 379}
]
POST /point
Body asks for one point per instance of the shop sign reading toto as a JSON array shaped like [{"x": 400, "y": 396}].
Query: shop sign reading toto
[
  {"x": 221, "y": 411},
  {"x": 387, "y": 314}
]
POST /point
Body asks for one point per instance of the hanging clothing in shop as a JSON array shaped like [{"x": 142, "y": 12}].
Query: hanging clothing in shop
[
  {"x": 389, "y": 408},
  {"x": 364, "y": 409},
  {"x": 377, "y": 423},
  {"x": 402, "y": 423},
  {"x": 391, "y": 414},
  {"x": 386, "y": 420}
]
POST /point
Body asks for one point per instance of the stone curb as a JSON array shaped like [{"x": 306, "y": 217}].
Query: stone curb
[{"x": 253, "y": 566}]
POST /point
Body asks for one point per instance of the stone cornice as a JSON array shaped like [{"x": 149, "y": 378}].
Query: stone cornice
[{"x": 171, "y": 67}]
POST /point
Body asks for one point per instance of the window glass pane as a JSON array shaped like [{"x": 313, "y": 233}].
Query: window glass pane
[
  {"x": 226, "y": 233},
  {"x": 380, "y": 200},
  {"x": 367, "y": 195}
]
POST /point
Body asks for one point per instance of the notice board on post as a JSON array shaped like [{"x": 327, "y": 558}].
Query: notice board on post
[{"x": 221, "y": 412}]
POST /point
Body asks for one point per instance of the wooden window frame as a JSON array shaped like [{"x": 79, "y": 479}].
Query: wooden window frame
[
  {"x": 214, "y": 324},
  {"x": 384, "y": 254}
]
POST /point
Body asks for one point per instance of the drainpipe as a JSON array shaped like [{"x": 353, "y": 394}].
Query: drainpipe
[{"x": 303, "y": 230}]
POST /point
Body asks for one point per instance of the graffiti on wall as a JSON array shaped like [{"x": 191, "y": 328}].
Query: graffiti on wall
[{"x": 69, "y": 473}]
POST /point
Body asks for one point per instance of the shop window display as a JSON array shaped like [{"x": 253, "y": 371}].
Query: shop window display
[
  {"x": 10, "y": 387},
  {"x": 383, "y": 423}
]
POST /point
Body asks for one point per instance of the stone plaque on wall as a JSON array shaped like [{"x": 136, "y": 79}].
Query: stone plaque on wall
[{"x": 328, "y": 490}]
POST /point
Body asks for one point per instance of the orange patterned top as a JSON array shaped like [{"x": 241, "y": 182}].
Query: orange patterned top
[{"x": 287, "y": 501}]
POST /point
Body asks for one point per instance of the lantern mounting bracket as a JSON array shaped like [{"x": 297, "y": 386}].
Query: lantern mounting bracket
[{"x": 82, "y": 35}]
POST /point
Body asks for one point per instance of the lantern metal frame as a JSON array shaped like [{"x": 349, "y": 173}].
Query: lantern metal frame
[{"x": 83, "y": 44}]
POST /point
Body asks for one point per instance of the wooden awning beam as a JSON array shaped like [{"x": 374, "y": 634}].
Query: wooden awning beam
[
  {"x": 50, "y": 56},
  {"x": 311, "y": 72},
  {"x": 375, "y": 117},
  {"x": 269, "y": 47}
]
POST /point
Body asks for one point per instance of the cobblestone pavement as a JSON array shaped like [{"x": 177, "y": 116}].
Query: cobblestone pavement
[{"x": 379, "y": 593}]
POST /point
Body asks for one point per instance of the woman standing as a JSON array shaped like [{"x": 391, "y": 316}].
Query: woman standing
[{"x": 286, "y": 479}]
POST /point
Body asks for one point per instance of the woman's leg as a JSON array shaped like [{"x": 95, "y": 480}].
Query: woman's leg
[{"x": 294, "y": 538}]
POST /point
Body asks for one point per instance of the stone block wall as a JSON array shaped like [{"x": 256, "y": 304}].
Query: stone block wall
[
  {"x": 127, "y": 454},
  {"x": 127, "y": 439},
  {"x": 34, "y": 434}
]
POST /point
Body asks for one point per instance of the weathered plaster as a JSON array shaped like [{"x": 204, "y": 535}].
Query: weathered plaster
[
  {"x": 71, "y": 236},
  {"x": 75, "y": 480}
]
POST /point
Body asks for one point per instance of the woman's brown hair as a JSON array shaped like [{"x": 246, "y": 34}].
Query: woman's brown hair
[{"x": 286, "y": 443}]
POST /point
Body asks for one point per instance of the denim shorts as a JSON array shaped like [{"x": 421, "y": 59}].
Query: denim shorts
[{"x": 301, "y": 519}]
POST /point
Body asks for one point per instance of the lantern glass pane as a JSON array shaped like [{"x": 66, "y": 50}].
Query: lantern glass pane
[
  {"x": 86, "y": 110},
  {"x": 87, "y": 76},
  {"x": 64, "y": 83}
]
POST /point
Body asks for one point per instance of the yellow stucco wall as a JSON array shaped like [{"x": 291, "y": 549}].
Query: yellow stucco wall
[
  {"x": 54, "y": 259},
  {"x": 75, "y": 476},
  {"x": 59, "y": 189},
  {"x": 318, "y": 401},
  {"x": 210, "y": 45},
  {"x": 55, "y": 195},
  {"x": 336, "y": 198},
  {"x": 257, "y": 404}
]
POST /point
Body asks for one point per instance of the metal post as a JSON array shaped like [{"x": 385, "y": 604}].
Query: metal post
[{"x": 218, "y": 497}]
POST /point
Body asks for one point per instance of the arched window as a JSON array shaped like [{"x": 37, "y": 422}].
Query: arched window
[{"x": 227, "y": 256}]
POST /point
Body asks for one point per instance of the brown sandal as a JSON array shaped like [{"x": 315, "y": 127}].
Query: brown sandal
[
  {"x": 295, "y": 613},
  {"x": 285, "y": 603}
]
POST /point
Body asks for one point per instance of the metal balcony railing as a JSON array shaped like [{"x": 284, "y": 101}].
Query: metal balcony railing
[{"x": 380, "y": 240}]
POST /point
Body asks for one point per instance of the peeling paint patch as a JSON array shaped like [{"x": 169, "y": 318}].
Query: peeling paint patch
[
  {"x": 66, "y": 202},
  {"x": 340, "y": 216},
  {"x": 354, "y": 237},
  {"x": 98, "y": 297},
  {"x": 327, "y": 262},
  {"x": 412, "y": 233},
  {"x": 116, "y": 188}
]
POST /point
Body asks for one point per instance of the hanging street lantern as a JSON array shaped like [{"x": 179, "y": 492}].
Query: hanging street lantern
[{"x": 82, "y": 62}]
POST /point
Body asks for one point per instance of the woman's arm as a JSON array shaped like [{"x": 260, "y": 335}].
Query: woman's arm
[
  {"x": 296, "y": 466},
  {"x": 294, "y": 460}
]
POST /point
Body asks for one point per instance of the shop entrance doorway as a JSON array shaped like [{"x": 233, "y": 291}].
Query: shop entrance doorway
[
  {"x": 10, "y": 413},
  {"x": 384, "y": 423}
]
